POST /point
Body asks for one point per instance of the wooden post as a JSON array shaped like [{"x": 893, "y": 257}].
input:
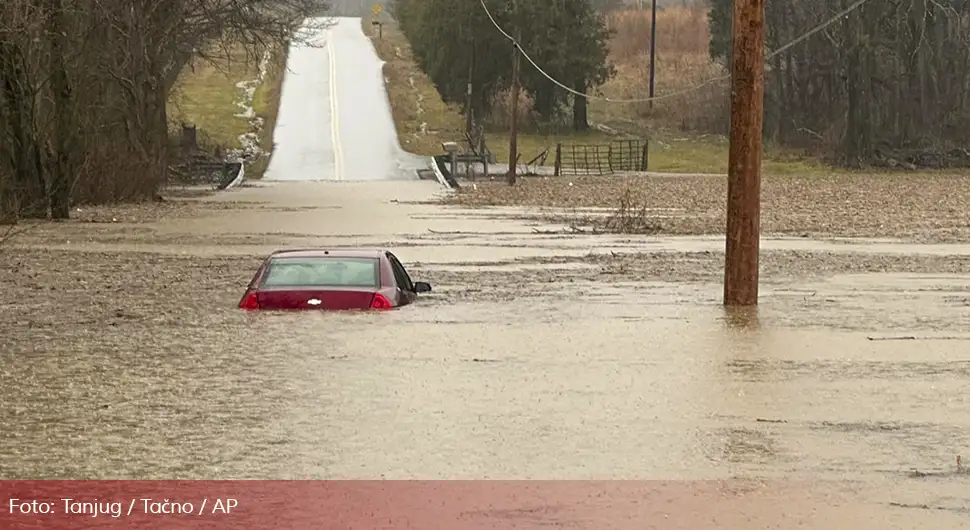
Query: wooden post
[
  {"x": 514, "y": 128},
  {"x": 743, "y": 234},
  {"x": 190, "y": 142},
  {"x": 558, "y": 165}
]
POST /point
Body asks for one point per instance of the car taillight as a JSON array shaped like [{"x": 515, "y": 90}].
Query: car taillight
[
  {"x": 380, "y": 302},
  {"x": 250, "y": 302}
]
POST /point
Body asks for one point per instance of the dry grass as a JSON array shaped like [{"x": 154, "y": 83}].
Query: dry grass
[
  {"x": 683, "y": 63},
  {"x": 923, "y": 208},
  {"x": 680, "y": 30},
  {"x": 206, "y": 95},
  {"x": 266, "y": 104},
  {"x": 631, "y": 216},
  {"x": 689, "y": 130},
  {"x": 423, "y": 120}
]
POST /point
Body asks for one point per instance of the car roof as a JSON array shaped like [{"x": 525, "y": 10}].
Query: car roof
[{"x": 373, "y": 253}]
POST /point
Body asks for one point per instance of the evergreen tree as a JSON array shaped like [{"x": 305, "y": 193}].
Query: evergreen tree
[
  {"x": 566, "y": 38},
  {"x": 572, "y": 47}
]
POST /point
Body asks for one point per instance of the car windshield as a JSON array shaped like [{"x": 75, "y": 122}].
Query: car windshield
[{"x": 342, "y": 272}]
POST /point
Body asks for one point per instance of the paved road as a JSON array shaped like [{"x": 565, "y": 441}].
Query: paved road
[{"x": 335, "y": 120}]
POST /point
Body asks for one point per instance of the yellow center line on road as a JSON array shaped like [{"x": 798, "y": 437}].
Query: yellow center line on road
[{"x": 334, "y": 119}]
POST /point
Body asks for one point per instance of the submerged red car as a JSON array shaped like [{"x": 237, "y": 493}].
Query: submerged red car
[{"x": 331, "y": 279}]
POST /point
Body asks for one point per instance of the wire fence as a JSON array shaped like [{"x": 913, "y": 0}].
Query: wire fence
[{"x": 617, "y": 156}]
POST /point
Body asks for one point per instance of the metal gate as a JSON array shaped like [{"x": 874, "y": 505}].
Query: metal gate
[{"x": 601, "y": 159}]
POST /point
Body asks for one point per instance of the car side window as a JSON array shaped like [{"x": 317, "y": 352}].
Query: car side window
[
  {"x": 398, "y": 279},
  {"x": 400, "y": 274},
  {"x": 407, "y": 277}
]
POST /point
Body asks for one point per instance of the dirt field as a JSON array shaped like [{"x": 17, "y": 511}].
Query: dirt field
[{"x": 923, "y": 208}]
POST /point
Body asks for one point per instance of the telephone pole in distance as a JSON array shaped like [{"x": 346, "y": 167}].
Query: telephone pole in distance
[{"x": 514, "y": 125}]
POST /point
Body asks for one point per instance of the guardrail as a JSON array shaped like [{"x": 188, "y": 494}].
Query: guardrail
[
  {"x": 439, "y": 164},
  {"x": 215, "y": 174}
]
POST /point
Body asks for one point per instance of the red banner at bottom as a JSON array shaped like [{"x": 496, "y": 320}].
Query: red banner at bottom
[{"x": 464, "y": 505}]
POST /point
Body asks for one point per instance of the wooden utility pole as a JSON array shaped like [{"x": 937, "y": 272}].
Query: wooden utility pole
[
  {"x": 514, "y": 126},
  {"x": 743, "y": 235},
  {"x": 469, "y": 120},
  {"x": 470, "y": 115},
  {"x": 653, "y": 47}
]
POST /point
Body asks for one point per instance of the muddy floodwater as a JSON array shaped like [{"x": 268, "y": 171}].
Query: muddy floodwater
[{"x": 536, "y": 356}]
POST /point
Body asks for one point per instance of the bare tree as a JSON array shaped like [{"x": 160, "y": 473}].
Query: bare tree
[
  {"x": 887, "y": 81},
  {"x": 84, "y": 86}
]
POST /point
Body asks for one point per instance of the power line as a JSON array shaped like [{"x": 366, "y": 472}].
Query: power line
[{"x": 857, "y": 4}]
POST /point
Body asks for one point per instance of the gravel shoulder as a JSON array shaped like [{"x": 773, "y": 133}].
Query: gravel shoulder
[{"x": 929, "y": 208}]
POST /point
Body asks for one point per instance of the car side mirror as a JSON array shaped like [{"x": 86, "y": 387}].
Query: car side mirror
[{"x": 422, "y": 287}]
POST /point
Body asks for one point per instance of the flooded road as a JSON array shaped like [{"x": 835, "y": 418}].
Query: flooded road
[{"x": 537, "y": 356}]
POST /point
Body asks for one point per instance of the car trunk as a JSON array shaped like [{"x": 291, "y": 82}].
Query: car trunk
[{"x": 333, "y": 298}]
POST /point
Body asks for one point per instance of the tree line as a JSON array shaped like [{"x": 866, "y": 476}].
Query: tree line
[
  {"x": 456, "y": 44},
  {"x": 84, "y": 86},
  {"x": 888, "y": 82}
]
